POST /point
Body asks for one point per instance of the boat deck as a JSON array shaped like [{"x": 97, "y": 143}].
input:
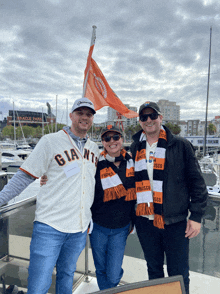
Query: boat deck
[
  {"x": 135, "y": 271},
  {"x": 16, "y": 229}
]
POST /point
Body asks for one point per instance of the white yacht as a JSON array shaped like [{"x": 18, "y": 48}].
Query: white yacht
[
  {"x": 210, "y": 167},
  {"x": 12, "y": 158}
]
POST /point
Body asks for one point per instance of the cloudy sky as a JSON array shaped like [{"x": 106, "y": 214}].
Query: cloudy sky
[{"x": 147, "y": 50}]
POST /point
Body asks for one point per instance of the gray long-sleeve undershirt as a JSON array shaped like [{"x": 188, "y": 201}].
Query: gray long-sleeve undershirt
[{"x": 15, "y": 186}]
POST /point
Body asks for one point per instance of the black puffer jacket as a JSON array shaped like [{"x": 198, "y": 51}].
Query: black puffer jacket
[{"x": 184, "y": 188}]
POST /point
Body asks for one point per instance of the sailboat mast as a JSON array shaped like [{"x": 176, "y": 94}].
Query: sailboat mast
[
  {"x": 67, "y": 112},
  {"x": 56, "y": 116},
  {"x": 42, "y": 123},
  {"x": 204, "y": 148},
  {"x": 14, "y": 123}
]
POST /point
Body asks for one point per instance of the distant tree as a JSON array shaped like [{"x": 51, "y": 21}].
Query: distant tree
[
  {"x": 175, "y": 129},
  {"x": 37, "y": 132},
  {"x": 19, "y": 133},
  {"x": 129, "y": 131},
  {"x": 138, "y": 128},
  {"x": 47, "y": 129},
  {"x": 28, "y": 131},
  {"x": 60, "y": 127},
  {"x": 211, "y": 129},
  {"x": 8, "y": 131}
]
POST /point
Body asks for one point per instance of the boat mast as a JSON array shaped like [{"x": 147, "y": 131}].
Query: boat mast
[
  {"x": 42, "y": 123},
  {"x": 14, "y": 123},
  {"x": 67, "y": 112},
  {"x": 56, "y": 116},
  {"x": 204, "y": 148}
]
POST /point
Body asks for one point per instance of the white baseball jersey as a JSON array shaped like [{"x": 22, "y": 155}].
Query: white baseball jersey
[{"x": 64, "y": 202}]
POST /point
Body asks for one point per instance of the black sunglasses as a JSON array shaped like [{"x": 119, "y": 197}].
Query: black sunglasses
[
  {"x": 152, "y": 116},
  {"x": 114, "y": 137}
]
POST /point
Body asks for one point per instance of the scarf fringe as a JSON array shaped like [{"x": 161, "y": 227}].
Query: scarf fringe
[
  {"x": 159, "y": 221},
  {"x": 131, "y": 194},
  {"x": 114, "y": 193},
  {"x": 144, "y": 209}
]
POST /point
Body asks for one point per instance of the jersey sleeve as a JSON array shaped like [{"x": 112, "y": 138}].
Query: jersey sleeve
[{"x": 40, "y": 158}]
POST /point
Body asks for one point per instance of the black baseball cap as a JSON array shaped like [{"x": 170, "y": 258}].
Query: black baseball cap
[
  {"x": 110, "y": 128},
  {"x": 149, "y": 104}
]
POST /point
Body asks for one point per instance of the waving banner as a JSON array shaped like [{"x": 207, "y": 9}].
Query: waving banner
[{"x": 97, "y": 89}]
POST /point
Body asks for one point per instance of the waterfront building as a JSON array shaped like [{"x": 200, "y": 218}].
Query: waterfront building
[
  {"x": 114, "y": 117},
  {"x": 183, "y": 126},
  {"x": 216, "y": 122},
  {"x": 192, "y": 127},
  {"x": 169, "y": 109},
  {"x": 3, "y": 124},
  {"x": 29, "y": 118}
]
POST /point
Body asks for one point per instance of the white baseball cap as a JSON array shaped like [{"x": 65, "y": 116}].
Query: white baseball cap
[{"x": 83, "y": 102}]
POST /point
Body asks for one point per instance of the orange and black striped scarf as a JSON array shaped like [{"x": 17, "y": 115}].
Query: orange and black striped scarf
[
  {"x": 148, "y": 204},
  {"x": 111, "y": 182}
]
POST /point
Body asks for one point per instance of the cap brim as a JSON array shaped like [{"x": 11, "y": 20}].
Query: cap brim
[
  {"x": 151, "y": 108},
  {"x": 110, "y": 131},
  {"x": 94, "y": 112}
]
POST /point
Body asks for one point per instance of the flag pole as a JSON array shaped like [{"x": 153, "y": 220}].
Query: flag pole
[{"x": 89, "y": 59}]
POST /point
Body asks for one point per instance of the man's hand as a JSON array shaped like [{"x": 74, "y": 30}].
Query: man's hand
[
  {"x": 192, "y": 229},
  {"x": 43, "y": 180}
]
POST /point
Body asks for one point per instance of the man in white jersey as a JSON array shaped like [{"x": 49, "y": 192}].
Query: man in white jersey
[{"x": 62, "y": 216}]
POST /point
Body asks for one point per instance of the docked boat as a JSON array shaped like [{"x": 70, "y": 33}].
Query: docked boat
[
  {"x": 210, "y": 171},
  {"x": 214, "y": 191},
  {"x": 12, "y": 158}
]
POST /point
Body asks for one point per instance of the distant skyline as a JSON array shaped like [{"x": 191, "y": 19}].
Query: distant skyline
[
  {"x": 148, "y": 50},
  {"x": 98, "y": 121}
]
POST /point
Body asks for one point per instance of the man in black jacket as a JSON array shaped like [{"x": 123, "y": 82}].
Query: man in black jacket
[{"x": 171, "y": 195}]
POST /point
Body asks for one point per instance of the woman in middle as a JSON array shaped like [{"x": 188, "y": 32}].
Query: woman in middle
[{"x": 113, "y": 210}]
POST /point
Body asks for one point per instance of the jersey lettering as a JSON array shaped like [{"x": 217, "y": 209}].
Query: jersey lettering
[
  {"x": 59, "y": 159},
  {"x": 93, "y": 155},
  {"x": 74, "y": 154},
  {"x": 86, "y": 153},
  {"x": 67, "y": 155}
]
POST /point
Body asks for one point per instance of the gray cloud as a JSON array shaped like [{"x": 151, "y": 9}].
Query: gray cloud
[{"x": 147, "y": 50}]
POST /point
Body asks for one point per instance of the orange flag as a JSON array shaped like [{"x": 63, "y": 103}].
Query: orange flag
[{"x": 99, "y": 91}]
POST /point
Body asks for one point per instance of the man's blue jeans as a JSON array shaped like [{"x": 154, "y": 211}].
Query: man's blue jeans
[
  {"x": 108, "y": 246},
  {"x": 48, "y": 248},
  {"x": 170, "y": 241}
]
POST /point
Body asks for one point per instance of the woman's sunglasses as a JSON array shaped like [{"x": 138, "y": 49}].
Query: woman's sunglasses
[
  {"x": 114, "y": 137},
  {"x": 152, "y": 116}
]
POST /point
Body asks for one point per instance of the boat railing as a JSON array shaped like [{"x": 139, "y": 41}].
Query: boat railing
[{"x": 16, "y": 223}]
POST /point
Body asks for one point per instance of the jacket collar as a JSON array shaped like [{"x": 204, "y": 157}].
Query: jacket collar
[{"x": 170, "y": 137}]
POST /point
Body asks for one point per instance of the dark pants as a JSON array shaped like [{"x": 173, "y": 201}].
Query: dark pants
[{"x": 170, "y": 241}]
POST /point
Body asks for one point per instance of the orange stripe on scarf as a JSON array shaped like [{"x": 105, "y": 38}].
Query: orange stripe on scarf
[
  {"x": 158, "y": 197},
  {"x": 130, "y": 172},
  {"x": 106, "y": 172},
  {"x": 159, "y": 163},
  {"x": 140, "y": 155},
  {"x": 143, "y": 186}
]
